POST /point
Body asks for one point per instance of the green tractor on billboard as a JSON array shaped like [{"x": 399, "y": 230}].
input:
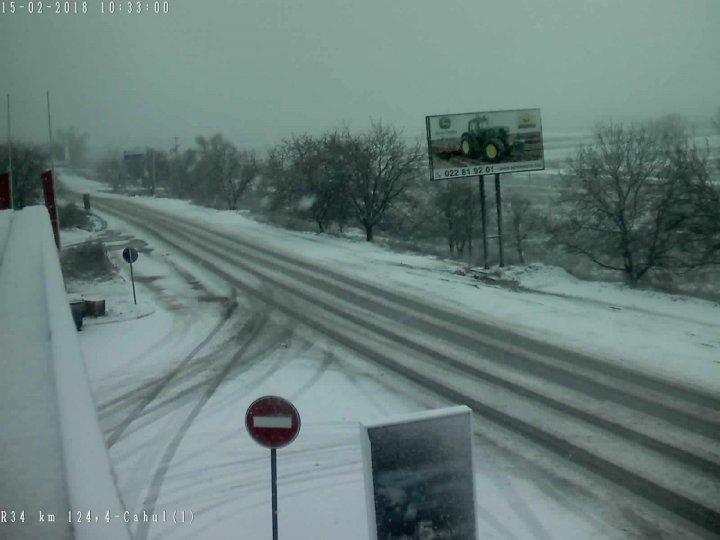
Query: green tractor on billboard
[{"x": 488, "y": 143}]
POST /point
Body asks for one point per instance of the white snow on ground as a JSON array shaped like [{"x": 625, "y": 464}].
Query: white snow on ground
[
  {"x": 675, "y": 337},
  {"x": 219, "y": 474},
  {"x": 74, "y": 236}
]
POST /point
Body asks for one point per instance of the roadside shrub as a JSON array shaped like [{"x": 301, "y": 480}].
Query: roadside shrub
[
  {"x": 88, "y": 261},
  {"x": 73, "y": 217}
]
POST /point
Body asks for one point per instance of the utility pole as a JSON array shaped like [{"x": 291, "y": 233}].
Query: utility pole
[
  {"x": 55, "y": 210},
  {"x": 152, "y": 189},
  {"x": 52, "y": 159},
  {"x": 9, "y": 145},
  {"x": 150, "y": 151}
]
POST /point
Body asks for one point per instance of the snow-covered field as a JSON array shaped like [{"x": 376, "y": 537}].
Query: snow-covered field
[{"x": 189, "y": 450}]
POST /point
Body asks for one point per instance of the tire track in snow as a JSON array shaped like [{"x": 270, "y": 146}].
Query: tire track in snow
[
  {"x": 495, "y": 523},
  {"x": 159, "y": 386},
  {"x": 160, "y": 472},
  {"x": 327, "y": 361},
  {"x": 241, "y": 360},
  {"x": 189, "y": 395},
  {"x": 513, "y": 349},
  {"x": 667, "y": 498},
  {"x": 524, "y": 513}
]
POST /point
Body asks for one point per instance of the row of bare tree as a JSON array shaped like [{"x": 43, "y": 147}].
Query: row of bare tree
[
  {"x": 340, "y": 176},
  {"x": 333, "y": 178},
  {"x": 29, "y": 160},
  {"x": 214, "y": 172},
  {"x": 639, "y": 198}
]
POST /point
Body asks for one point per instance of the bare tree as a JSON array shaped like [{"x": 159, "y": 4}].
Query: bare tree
[
  {"x": 379, "y": 167},
  {"x": 457, "y": 204},
  {"x": 306, "y": 182},
  {"x": 715, "y": 121},
  {"x": 523, "y": 219},
  {"x": 28, "y": 162},
  {"x": 181, "y": 171},
  {"x": 248, "y": 171},
  {"x": 223, "y": 172},
  {"x": 333, "y": 194},
  {"x": 75, "y": 144},
  {"x": 331, "y": 177},
  {"x": 136, "y": 171},
  {"x": 275, "y": 172},
  {"x": 630, "y": 202},
  {"x": 311, "y": 180},
  {"x": 414, "y": 214},
  {"x": 110, "y": 171}
]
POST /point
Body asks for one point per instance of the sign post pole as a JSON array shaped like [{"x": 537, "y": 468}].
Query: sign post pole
[
  {"x": 131, "y": 255},
  {"x": 273, "y": 480},
  {"x": 499, "y": 218},
  {"x": 483, "y": 217},
  {"x": 272, "y": 422},
  {"x": 132, "y": 280}
]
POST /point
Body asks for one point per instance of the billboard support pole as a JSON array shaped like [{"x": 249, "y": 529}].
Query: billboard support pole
[
  {"x": 498, "y": 201},
  {"x": 483, "y": 217}
]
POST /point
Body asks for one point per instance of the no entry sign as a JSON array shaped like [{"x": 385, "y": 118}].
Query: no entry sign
[
  {"x": 272, "y": 421},
  {"x": 130, "y": 255}
]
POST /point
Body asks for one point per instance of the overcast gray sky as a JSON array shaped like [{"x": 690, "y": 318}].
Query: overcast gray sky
[{"x": 260, "y": 70}]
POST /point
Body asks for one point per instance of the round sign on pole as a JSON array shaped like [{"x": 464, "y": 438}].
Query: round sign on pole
[
  {"x": 130, "y": 255},
  {"x": 272, "y": 421}
]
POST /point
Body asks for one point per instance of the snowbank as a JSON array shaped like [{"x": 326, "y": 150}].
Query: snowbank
[{"x": 54, "y": 456}]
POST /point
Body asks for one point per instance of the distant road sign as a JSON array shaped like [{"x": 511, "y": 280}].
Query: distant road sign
[
  {"x": 133, "y": 155},
  {"x": 130, "y": 255},
  {"x": 272, "y": 421}
]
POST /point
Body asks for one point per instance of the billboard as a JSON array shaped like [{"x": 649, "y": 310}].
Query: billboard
[
  {"x": 419, "y": 476},
  {"x": 472, "y": 144}
]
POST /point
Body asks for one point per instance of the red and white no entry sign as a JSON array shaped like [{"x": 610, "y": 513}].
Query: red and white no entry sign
[{"x": 272, "y": 421}]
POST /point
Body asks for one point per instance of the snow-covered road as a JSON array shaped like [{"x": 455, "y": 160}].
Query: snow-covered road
[{"x": 453, "y": 353}]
